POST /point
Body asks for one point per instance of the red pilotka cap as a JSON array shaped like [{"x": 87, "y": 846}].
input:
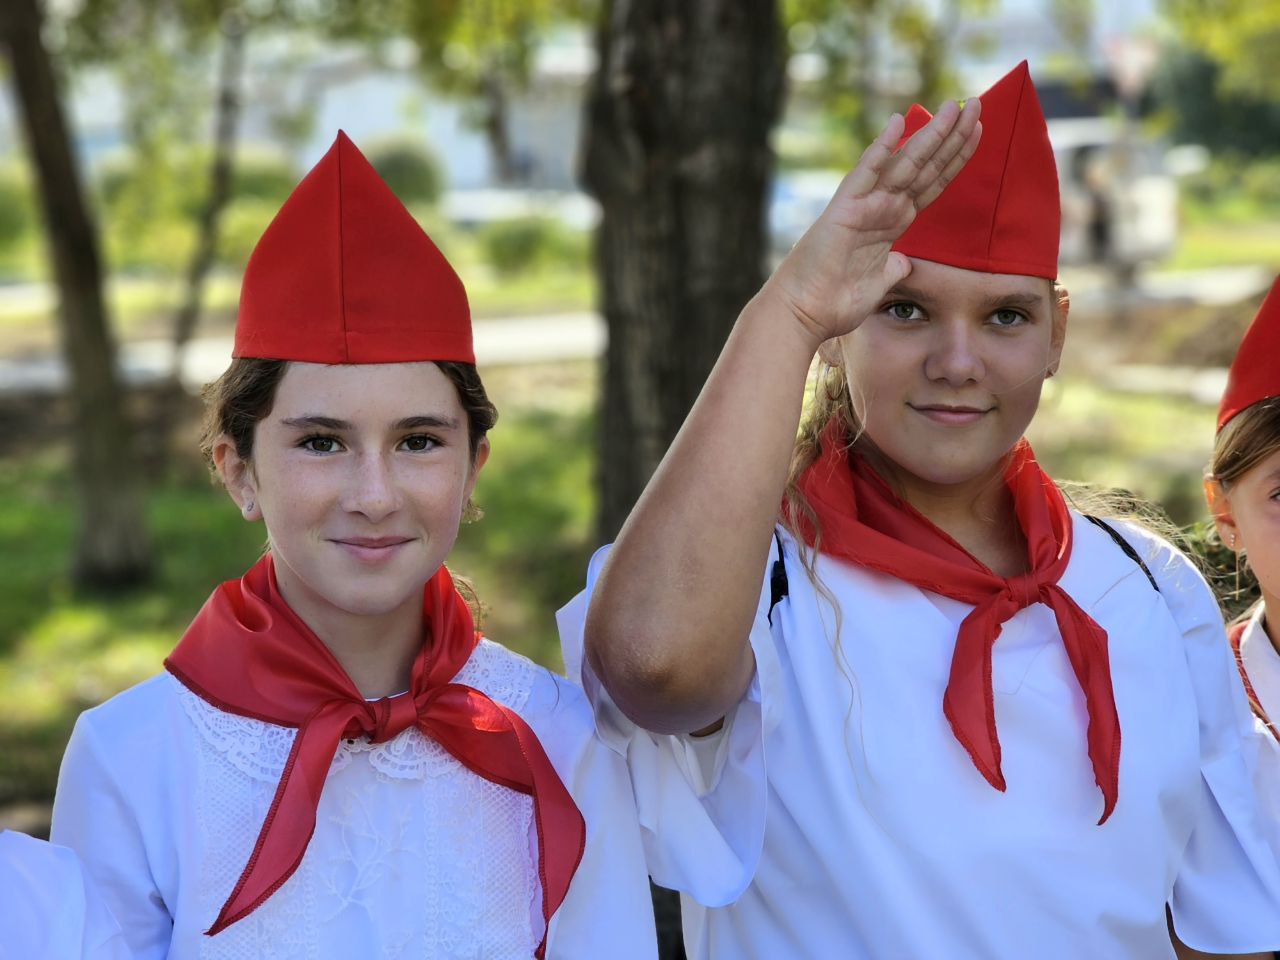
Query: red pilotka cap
[
  {"x": 1002, "y": 213},
  {"x": 344, "y": 274},
  {"x": 1255, "y": 372}
]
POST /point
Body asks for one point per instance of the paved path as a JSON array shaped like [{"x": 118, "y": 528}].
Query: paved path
[{"x": 573, "y": 336}]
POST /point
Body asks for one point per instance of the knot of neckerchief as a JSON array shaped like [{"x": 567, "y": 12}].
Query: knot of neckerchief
[
  {"x": 861, "y": 520},
  {"x": 249, "y": 654}
]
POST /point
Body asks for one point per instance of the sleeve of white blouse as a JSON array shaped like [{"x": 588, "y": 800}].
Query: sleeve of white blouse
[
  {"x": 701, "y": 801},
  {"x": 93, "y": 817},
  {"x": 1226, "y": 895}
]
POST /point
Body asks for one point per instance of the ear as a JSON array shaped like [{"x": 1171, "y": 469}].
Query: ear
[
  {"x": 237, "y": 476},
  {"x": 1058, "y": 331},
  {"x": 477, "y": 464},
  {"x": 1223, "y": 519}
]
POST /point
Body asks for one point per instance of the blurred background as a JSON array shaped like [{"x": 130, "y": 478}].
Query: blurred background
[{"x": 613, "y": 181}]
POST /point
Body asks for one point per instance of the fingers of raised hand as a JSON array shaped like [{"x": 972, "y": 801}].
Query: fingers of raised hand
[
  {"x": 914, "y": 157},
  {"x": 862, "y": 179},
  {"x": 930, "y": 192},
  {"x": 942, "y": 160}
]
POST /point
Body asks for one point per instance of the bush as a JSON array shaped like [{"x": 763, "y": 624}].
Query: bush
[
  {"x": 243, "y": 223},
  {"x": 17, "y": 213},
  {"x": 514, "y": 246},
  {"x": 411, "y": 170}
]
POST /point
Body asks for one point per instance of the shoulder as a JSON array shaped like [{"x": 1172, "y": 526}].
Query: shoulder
[
  {"x": 137, "y": 718},
  {"x": 536, "y": 693},
  {"x": 1182, "y": 586}
]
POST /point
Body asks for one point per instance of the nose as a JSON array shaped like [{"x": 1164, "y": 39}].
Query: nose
[
  {"x": 954, "y": 357},
  {"x": 372, "y": 489}
]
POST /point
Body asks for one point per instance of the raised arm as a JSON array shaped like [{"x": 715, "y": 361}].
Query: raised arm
[{"x": 668, "y": 625}]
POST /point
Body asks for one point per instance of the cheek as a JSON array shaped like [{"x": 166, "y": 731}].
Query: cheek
[{"x": 1259, "y": 525}]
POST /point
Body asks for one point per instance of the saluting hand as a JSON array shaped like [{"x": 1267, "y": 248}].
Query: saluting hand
[{"x": 836, "y": 274}]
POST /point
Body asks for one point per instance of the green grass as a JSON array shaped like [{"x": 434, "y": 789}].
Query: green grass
[
  {"x": 1153, "y": 446},
  {"x": 1220, "y": 244}
]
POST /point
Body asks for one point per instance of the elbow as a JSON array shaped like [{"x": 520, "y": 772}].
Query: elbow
[{"x": 663, "y": 687}]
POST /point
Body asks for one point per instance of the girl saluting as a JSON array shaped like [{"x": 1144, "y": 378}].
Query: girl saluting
[{"x": 958, "y": 719}]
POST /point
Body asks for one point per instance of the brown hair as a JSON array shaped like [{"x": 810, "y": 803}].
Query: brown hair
[{"x": 1246, "y": 440}]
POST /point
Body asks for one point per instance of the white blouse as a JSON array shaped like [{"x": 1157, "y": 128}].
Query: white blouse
[
  {"x": 414, "y": 856},
  {"x": 49, "y": 909},
  {"x": 1262, "y": 665},
  {"x": 840, "y": 813}
]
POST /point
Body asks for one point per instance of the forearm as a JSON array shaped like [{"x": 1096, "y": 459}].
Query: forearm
[{"x": 670, "y": 617}]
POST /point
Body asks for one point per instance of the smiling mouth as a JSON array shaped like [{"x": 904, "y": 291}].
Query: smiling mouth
[
  {"x": 371, "y": 549},
  {"x": 950, "y": 415}
]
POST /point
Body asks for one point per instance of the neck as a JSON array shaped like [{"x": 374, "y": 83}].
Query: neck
[
  {"x": 977, "y": 513},
  {"x": 1271, "y": 618},
  {"x": 376, "y": 650}
]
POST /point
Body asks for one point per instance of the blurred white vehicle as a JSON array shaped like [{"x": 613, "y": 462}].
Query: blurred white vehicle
[{"x": 1119, "y": 197}]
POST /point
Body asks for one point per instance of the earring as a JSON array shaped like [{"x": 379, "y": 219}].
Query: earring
[{"x": 248, "y": 508}]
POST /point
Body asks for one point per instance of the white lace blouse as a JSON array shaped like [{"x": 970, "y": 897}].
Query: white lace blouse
[{"x": 414, "y": 856}]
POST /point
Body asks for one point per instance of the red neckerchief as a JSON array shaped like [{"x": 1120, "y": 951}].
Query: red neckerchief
[
  {"x": 1236, "y": 636},
  {"x": 864, "y": 522},
  {"x": 247, "y": 653}
]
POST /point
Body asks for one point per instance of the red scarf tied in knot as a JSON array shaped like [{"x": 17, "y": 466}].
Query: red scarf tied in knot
[
  {"x": 864, "y": 522},
  {"x": 247, "y": 653}
]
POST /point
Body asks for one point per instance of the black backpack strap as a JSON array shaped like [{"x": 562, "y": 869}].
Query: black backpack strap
[
  {"x": 1124, "y": 545},
  {"x": 778, "y": 587}
]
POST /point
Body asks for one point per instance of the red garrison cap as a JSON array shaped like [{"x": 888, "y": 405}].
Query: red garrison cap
[
  {"x": 1255, "y": 372},
  {"x": 344, "y": 274},
  {"x": 1001, "y": 214}
]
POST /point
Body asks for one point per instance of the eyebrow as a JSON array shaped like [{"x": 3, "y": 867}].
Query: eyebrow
[
  {"x": 315, "y": 421},
  {"x": 1029, "y": 301}
]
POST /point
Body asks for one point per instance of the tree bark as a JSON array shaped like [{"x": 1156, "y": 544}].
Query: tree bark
[
  {"x": 112, "y": 547},
  {"x": 677, "y": 152},
  {"x": 230, "y": 71}
]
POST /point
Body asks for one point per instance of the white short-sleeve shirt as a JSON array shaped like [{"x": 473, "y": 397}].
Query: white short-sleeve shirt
[
  {"x": 840, "y": 813},
  {"x": 414, "y": 856}
]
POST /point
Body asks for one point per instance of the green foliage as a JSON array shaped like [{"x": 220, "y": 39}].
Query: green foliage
[
  {"x": 149, "y": 210},
  {"x": 1198, "y": 108},
  {"x": 1242, "y": 36},
  {"x": 1234, "y": 189},
  {"x": 410, "y": 169},
  {"x": 242, "y": 225},
  {"x": 18, "y": 218},
  {"x": 515, "y": 246}
]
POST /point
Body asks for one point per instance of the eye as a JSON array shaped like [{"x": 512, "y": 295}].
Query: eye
[
  {"x": 903, "y": 310},
  {"x": 319, "y": 443},
  {"x": 420, "y": 442},
  {"x": 1008, "y": 318}
]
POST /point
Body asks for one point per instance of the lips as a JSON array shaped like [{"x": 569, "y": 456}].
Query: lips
[
  {"x": 950, "y": 414},
  {"x": 372, "y": 549}
]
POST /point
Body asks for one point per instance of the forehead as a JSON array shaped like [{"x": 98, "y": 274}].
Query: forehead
[
  {"x": 954, "y": 284},
  {"x": 348, "y": 390}
]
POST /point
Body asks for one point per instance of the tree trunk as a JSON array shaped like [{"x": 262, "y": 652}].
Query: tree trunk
[
  {"x": 677, "y": 152},
  {"x": 112, "y": 546},
  {"x": 230, "y": 71},
  {"x": 497, "y": 124}
]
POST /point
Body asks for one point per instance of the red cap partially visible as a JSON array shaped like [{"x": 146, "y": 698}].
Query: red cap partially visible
[
  {"x": 1002, "y": 213},
  {"x": 1255, "y": 372},
  {"x": 344, "y": 274}
]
